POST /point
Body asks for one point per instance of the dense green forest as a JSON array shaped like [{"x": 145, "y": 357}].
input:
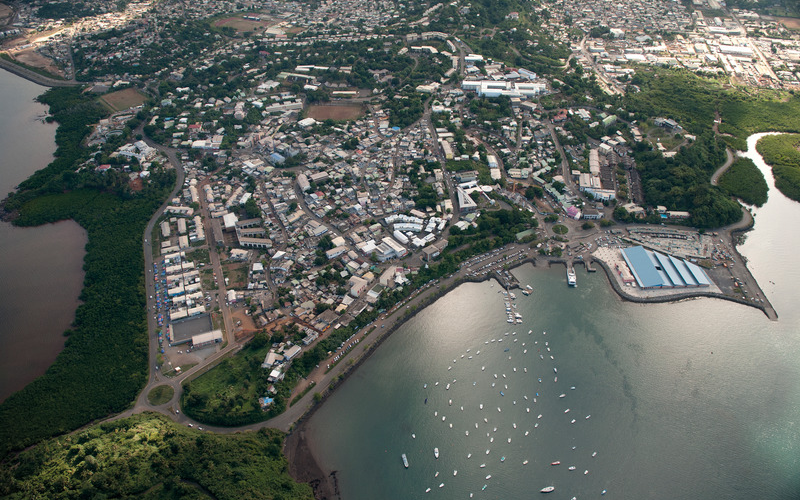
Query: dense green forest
[
  {"x": 744, "y": 180},
  {"x": 786, "y": 8},
  {"x": 683, "y": 182},
  {"x": 743, "y": 115},
  {"x": 782, "y": 154},
  {"x": 147, "y": 456},
  {"x": 104, "y": 361}
]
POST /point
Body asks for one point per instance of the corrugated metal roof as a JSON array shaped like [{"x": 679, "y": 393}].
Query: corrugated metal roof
[
  {"x": 642, "y": 267},
  {"x": 655, "y": 270}
]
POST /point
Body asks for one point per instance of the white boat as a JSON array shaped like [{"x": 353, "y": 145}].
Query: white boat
[
  {"x": 447, "y": 387},
  {"x": 436, "y": 452},
  {"x": 483, "y": 465},
  {"x": 455, "y": 472},
  {"x": 437, "y": 474},
  {"x": 405, "y": 461},
  {"x": 594, "y": 454},
  {"x": 571, "y": 467},
  {"x": 480, "y": 406},
  {"x": 428, "y": 490},
  {"x": 588, "y": 417},
  {"x": 441, "y": 485},
  {"x": 572, "y": 279},
  {"x": 488, "y": 476},
  {"x": 562, "y": 395},
  {"x": 573, "y": 421},
  {"x": 413, "y": 436},
  {"x": 514, "y": 425},
  {"x": 524, "y": 462},
  {"x": 548, "y": 489},
  {"x": 450, "y": 403},
  {"x": 469, "y": 455}
]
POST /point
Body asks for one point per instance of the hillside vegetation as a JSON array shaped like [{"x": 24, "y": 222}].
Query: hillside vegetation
[
  {"x": 782, "y": 154},
  {"x": 148, "y": 456}
]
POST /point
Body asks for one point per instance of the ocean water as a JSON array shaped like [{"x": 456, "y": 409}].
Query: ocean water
[{"x": 697, "y": 399}]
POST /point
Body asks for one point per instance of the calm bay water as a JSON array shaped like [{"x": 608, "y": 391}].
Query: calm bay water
[
  {"x": 698, "y": 399},
  {"x": 40, "y": 268}
]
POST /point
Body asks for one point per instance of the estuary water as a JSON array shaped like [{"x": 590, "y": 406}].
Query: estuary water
[
  {"x": 697, "y": 399},
  {"x": 40, "y": 268}
]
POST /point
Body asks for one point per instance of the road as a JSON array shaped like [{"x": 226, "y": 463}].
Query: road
[{"x": 721, "y": 170}]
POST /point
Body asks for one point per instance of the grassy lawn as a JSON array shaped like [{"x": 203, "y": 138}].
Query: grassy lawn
[{"x": 160, "y": 395}]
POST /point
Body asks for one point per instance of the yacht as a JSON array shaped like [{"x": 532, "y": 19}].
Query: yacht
[
  {"x": 548, "y": 489},
  {"x": 405, "y": 461},
  {"x": 436, "y": 452}
]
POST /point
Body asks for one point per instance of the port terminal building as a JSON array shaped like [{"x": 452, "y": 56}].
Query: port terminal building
[{"x": 654, "y": 270}]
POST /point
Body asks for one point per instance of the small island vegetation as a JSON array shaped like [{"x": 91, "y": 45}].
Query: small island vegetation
[{"x": 744, "y": 180}]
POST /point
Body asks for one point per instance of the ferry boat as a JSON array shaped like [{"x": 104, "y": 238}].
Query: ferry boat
[
  {"x": 548, "y": 489},
  {"x": 405, "y": 461},
  {"x": 572, "y": 279}
]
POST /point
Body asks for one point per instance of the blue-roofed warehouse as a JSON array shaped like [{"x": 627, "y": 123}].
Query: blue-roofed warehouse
[{"x": 656, "y": 270}]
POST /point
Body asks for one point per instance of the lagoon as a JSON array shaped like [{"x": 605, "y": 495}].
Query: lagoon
[{"x": 41, "y": 271}]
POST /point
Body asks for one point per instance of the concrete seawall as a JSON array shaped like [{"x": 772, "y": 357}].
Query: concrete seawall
[{"x": 34, "y": 76}]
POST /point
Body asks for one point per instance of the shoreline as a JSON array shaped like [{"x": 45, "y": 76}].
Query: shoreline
[{"x": 304, "y": 464}]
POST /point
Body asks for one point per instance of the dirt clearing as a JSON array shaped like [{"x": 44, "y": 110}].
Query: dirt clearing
[
  {"x": 335, "y": 112},
  {"x": 123, "y": 99}
]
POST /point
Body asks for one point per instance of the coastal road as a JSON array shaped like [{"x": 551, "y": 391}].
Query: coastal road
[{"x": 36, "y": 77}]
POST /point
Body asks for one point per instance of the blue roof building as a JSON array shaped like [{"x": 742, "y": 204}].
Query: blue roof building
[{"x": 656, "y": 270}]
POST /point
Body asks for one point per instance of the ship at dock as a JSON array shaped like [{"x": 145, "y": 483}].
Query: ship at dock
[{"x": 572, "y": 279}]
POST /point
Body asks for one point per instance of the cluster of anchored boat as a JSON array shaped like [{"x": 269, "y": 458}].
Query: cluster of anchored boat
[{"x": 501, "y": 386}]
